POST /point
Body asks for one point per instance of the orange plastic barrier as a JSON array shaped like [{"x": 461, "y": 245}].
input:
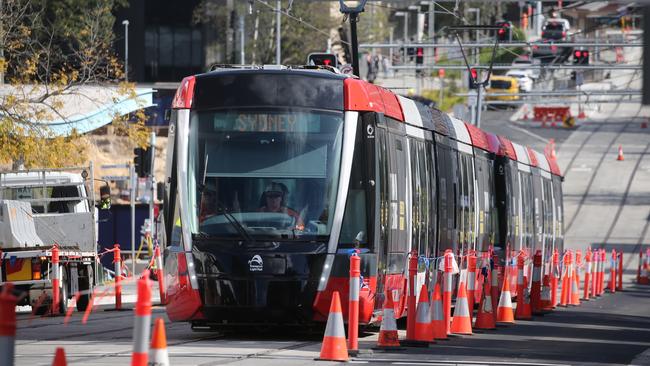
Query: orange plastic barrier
[{"x": 557, "y": 114}]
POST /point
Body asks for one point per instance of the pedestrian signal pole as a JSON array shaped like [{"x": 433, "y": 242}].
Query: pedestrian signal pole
[{"x": 353, "y": 14}]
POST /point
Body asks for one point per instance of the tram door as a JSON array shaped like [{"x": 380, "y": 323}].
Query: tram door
[{"x": 392, "y": 249}]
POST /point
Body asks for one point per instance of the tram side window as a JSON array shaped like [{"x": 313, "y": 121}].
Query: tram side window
[
  {"x": 354, "y": 227},
  {"x": 431, "y": 195},
  {"x": 416, "y": 193},
  {"x": 462, "y": 199},
  {"x": 421, "y": 196},
  {"x": 471, "y": 202},
  {"x": 382, "y": 159},
  {"x": 512, "y": 187},
  {"x": 495, "y": 237},
  {"x": 483, "y": 208},
  {"x": 446, "y": 198}
]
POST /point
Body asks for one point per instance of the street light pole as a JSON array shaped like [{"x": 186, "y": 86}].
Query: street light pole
[
  {"x": 125, "y": 23},
  {"x": 278, "y": 36},
  {"x": 478, "y": 15}
]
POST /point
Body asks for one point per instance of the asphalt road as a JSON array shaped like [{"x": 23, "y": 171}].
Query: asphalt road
[{"x": 611, "y": 330}]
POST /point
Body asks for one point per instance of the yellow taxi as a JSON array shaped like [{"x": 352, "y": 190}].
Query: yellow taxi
[{"x": 502, "y": 85}]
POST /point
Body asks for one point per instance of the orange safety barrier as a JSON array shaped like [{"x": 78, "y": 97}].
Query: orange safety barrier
[{"x": 557, "y": 114}]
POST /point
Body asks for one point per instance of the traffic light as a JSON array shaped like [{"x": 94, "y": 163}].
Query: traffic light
[
  {"x": 580, "y": 57},
  {"x": 142, "y": 162},
  {"x": 322, "y": 59},
  {"x": 503, "y": 33},
  {"x": 419, "y": 58},
  {"x": 473, "y": 76}
]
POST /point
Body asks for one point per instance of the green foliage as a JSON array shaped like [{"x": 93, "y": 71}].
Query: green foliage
[
  {"x": 51, "y": 49},
  {"x": 449, "y": 97}
]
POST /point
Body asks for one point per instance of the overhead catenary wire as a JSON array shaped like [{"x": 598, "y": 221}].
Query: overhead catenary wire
[{"x": 299, "y": 20}]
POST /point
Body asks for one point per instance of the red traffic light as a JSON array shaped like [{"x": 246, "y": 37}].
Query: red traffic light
[
  {"x": 502, "y": 31},
  {"x": 585, "y": 53},
  {"x": 578, "y": 54},
  {"x": 474, "y": 73},
  {"x": 325, "y": 59},
  {"x": 420, "y": 51}
]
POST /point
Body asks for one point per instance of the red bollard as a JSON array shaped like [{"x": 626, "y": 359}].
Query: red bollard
[
  {"x": 638, "y": 270},
  {"x": 554, "y": 278},
  {"x": 565, "y": 296},
  {"x": 601, "y": 273},
  {"x": 353, "y": 305},
  {"x": 587, "y": 285},
  {"x": 411, "y": 303},
  {"x": 117, "y": 259},
  {"x": 471, "y": 281},
  {"x": 612, "y": 272},
  {"x": 142, "y": 324},
  {"x": 56, "y": 281},
  {"x": 7, "y": 325},
  {"x": 619, "y": 286},
  {"x": 160, "y": 275},
  {"x": 448, "y": 289}
]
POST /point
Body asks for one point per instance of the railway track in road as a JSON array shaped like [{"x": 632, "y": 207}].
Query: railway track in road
[{"x": 594, "y": 170}]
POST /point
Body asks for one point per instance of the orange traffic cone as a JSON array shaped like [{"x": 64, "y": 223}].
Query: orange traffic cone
[
  {"x": 438, "y": 315},
  {"x": 423, "y": 329},
  {"x": 523, "y": 311},
  {"x": 504, "y": 311},
  {"x": 388, "y": 338},
  {"x": 620, "y": 154},
  {"x": 565, "y": 299},
  {"x": 462, "y": 321},
  {"x": 485, "y": 317},
  {"x": 158, "y": 351},
  {"x": 334, "y": 347},
  {"x": 575, "y": 281},
  {"x": 59, "y": 357},
  {"x": 523, "y": 301}
]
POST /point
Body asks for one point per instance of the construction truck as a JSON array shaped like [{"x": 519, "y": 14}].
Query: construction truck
[{"x": 41, "y": 209}]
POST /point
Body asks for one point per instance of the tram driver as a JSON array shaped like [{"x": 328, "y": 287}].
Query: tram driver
[{"x": 274, "y": 200}]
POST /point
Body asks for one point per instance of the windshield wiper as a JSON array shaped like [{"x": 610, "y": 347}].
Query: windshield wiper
[{"x": 236, "y": 224}]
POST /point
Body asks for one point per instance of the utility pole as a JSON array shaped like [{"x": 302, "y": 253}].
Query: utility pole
[
  {"x": 125, "y": 23},
  {"x": 134, "y": 181},
  {"x": 478, "y": 16},
  {"x": 242, "y": 40},
  {"x": 278, "y": 35},
  {"x": 2, "y": 49},
  {"x": 152, "y": 146}
]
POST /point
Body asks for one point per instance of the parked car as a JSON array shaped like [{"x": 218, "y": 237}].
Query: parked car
[
  {"x": 527, "y": 60},
  {"x": 555, "y": 29},
  {"x": 502, "y": 85},
  {"x": 524, "y": 79}
]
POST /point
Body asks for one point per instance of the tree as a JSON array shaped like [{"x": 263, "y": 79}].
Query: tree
[
  {"x": 305, "y": 28},
  {"x": 51, "y": 50}
]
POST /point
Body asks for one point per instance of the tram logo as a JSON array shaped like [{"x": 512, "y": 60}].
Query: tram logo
[{"x": 256, "y": 264}]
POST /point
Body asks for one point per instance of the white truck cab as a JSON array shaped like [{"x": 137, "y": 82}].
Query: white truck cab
[{"x": 41, "y": 209}]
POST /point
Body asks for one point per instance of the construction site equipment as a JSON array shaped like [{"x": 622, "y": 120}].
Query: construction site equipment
[{"x": 38, "y": 209}]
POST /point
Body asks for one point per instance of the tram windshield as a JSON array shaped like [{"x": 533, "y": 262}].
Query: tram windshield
[{"x": 264, "y": 173}]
